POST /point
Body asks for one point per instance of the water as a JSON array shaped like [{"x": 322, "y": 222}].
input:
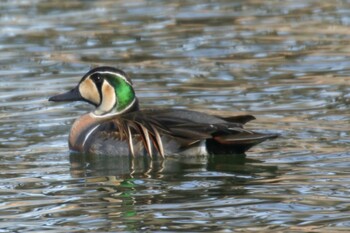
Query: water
[{"x": 286, "y": 62}]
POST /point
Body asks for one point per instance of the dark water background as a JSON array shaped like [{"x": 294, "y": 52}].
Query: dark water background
[{"x": 286, "y": 62}]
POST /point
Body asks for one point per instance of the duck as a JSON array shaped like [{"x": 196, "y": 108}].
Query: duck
[{"x": 118, "y": 126}]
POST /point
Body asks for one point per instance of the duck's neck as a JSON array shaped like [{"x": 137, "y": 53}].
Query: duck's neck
[{"x": 134, "y": 107}]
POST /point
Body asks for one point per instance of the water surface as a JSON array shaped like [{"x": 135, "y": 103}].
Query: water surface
[{"x": 286, "y": 62}]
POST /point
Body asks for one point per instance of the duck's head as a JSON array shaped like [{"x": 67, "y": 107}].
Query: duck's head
[{"x": 108, "y": 89}]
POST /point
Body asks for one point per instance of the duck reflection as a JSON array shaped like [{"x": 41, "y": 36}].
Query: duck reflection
[
  {"x": 86, "y": 165},
  {"x": 133, "y": 188}
]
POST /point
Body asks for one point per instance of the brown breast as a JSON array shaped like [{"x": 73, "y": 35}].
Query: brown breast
[{"x": 81, "y": 129}]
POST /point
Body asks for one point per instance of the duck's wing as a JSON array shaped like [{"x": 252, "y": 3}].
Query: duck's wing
[
  {"x": 189, "y": 127},
  {"x": 241, "y": 119}
]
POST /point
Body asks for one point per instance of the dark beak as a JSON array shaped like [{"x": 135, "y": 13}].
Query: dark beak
[{"x": 72, "y": 95}]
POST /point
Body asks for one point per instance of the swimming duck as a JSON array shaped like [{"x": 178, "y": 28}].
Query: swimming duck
[{"x": 117, "y": 125}]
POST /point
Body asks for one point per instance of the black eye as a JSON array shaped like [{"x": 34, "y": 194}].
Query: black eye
[{"x": 97, "y": 78}]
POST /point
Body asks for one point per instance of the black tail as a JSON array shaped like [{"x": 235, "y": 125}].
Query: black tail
[{"x": 236, "y": 143}]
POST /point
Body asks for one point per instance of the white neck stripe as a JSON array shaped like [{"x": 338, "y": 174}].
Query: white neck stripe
[
  {"x": 114, "y": 113},
  {"x": 88, "y": 135}
]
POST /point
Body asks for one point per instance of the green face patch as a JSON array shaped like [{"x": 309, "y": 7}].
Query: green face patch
[{"x": 123, "y": 90}]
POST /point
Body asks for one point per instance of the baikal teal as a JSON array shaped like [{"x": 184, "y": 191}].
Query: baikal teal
[{"x": 118, "y": 126}]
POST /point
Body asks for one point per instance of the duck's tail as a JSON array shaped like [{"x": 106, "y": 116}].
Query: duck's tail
[{"x": 236, "y": 143}]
